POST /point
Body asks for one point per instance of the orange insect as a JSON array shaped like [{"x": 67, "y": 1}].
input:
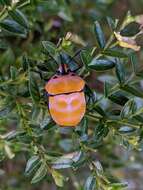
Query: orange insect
[{"x": 67, "y": 103}]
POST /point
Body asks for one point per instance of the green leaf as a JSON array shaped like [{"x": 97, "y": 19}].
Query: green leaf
[
  {"x": 25, "y": 62},
  {"x": 33, "y": 88},
  {"x": 100, "y": 132},
  {"x": 79, "y": 160},
  {"x": 19, "y": 17},
  {"x": 101, "y": 64},
  {"x": 36, "y": 113},
  {"x": 14, "y": 134},
  {"x": 31, "y": 164},
  {"x": 13, "y": 27},
  {"x": 138, "y": 118},
  {"x": 3, "y": 44},
  {"x": 62, "y": 162},
  {"x": 132, "y": 90},
  {"x": 90, "y": 183},
  {"x": 99, "y": 110},
  {"x": 58, "y": 178},
  {"x": 64, "y": 11},
  {"x": 106, "y": 89},
  {"x": 118, "y": 98},
  {"x": 134, "y": 62},
  {"x": 133, "y": 108},
  {"x": 90, "y": 96},
  {"x": 112, "y": 23},
  {"x": 49, "y": 47},
  {"x": 126, "y": 129},
  {"x": 40, "y": 173},
  {"x": 118, "y": 186},
  {"x": 8, "y": 57},
  {"x": 99, "y": 35},
  {"x": 131, "y": 29},
  {"x": 22, "y": 3},
  {"x": 120, "y": 72},
  {"x": 13, "y": 72},
  {"x": 8, "y": 151},
  {"x": 5, "y": 2},
  {"x": 114, "y": 53},
  {"x": 129, "y": 109},
  {"x": 47, "y": 124},
  {"x": 84, "y": 126},
  {"x": 98, "y": 167},
  {"x": 86, "y": 56},
  {"x": 7, "y": 109}
]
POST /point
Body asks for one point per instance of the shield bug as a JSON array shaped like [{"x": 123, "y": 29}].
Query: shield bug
[{"x": 66, "y": 99}]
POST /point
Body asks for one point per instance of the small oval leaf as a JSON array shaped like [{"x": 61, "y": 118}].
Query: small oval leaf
[
  {"x": 90, "y": 183},
  {"x": 131, "y": 29},
  {"x": 33, "y": 88},
  {"x": 19, "y": 17},
  {"x": 40, "y": 174},
  {"x": 58, "y": 178},
  {"x": 13, "y": 27},
  {"x": 101, "y": 64},
  {"x": 120, "y": 72},
  {"x": 99, "y": 35},
  {"x": 31, "y": 164}
]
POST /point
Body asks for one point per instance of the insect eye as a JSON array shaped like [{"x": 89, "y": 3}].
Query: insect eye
[{"x": 58, "y": 72}]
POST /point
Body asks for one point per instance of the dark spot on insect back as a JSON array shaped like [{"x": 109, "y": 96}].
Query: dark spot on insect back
[
  {"x": 73, "y": 74},
  {"x": 55, "y": 77}
]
